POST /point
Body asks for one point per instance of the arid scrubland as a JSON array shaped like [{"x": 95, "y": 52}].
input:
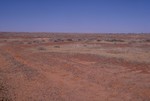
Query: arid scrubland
[{"x": 74, "y": 67}]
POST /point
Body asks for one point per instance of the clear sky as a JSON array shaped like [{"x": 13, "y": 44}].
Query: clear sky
[{"x": 96, "y": 16}]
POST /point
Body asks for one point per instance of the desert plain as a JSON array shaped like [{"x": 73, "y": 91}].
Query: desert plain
[{"x": 74, "y": 67}]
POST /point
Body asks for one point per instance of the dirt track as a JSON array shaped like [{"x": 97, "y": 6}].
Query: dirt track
[{"x": 75, "y": 70}]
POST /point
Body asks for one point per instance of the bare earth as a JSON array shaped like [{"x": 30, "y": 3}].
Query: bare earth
[{"x": 74, "y": 67}]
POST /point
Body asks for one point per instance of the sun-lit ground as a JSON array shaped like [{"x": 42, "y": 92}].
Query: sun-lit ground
[{"x": 68, "y": 67}]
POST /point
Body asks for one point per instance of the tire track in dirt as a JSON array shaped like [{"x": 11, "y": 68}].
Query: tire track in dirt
[
  {"x": 17, "y": 66},
  {"x": 13, "y": 67}
]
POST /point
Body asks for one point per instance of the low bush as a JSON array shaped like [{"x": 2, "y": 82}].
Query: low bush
[
  {"x": 41, "y": 48},
  {"x": 148, "y": 40},
  {"x": 56, "y": 46},
  {"x": 115, "y": 40},
  {"x": 69, "y": 40},
  {"x": 98, "y": 40}
]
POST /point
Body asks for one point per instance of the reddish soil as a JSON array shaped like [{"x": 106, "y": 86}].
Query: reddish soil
[{"x": 55, "y": 72}]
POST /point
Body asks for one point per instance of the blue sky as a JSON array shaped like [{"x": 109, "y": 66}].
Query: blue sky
[{"x": 97, "y": 16}]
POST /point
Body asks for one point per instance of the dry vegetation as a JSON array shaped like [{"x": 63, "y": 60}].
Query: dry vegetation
[{"x": 74, "y": 67}]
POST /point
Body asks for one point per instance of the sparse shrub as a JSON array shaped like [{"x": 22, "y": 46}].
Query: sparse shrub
[
  {"x": 98, "y": 40},
  {"x": 43, "y": 40},
  {"x": 115, "y": 40},
  {"x": 69, "y": 40},
  {"x": 5, "y": 40},
  {"x": 36, "y": 41},
  {"x": 29, "y": 42},
  {"x": 55, "y": 40},
  {"x": 21, "y": 43},
  {"x": 58, "y": 40},
  {"x": 84, "y": 45},
  {"x": 148, "y": 40},
  {"x": 41, "y": 48},
  {"x": 79, "y": 39},
  {"x": 56, "y": 46}
]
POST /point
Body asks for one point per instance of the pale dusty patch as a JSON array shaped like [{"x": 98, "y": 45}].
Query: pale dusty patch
[{"x": 129, "y": 54}]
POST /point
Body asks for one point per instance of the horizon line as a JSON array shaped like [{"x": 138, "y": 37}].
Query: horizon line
[{"x": 76, "y": 32}]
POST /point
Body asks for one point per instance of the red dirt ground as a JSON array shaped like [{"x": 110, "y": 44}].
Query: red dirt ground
[{"x": 85, "y": 70}]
